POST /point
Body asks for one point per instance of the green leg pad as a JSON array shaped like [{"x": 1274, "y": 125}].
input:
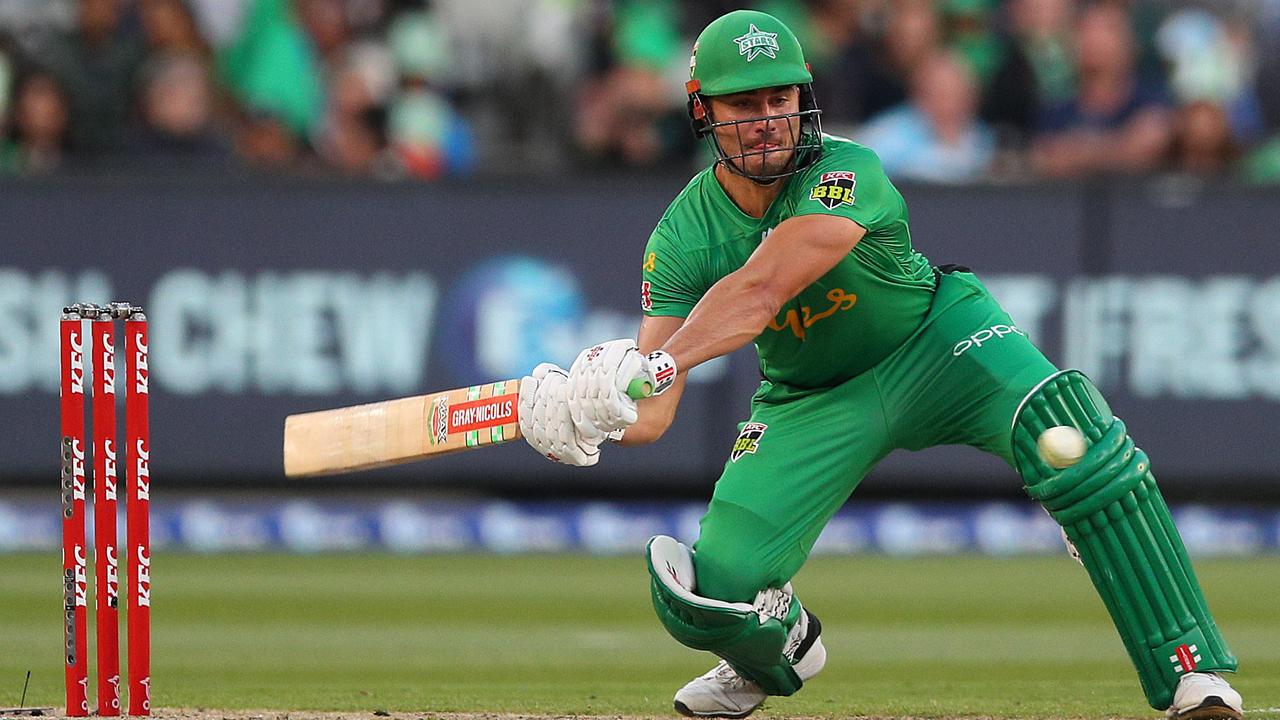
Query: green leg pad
[
  {"x": 1111, "y": 510},
  {"x": 749, "y": 637}
]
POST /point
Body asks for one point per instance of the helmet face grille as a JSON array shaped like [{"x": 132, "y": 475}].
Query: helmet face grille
[{"x": 804, "y": 128}]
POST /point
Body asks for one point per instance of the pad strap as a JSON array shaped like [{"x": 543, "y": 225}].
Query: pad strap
[{"x": 1111, "y": 510}]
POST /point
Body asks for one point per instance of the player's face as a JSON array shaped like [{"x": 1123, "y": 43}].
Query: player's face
[{"x": 765, "y": 142}]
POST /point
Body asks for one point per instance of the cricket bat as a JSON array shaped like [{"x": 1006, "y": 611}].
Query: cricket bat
[{"x": 393, "y": 432}]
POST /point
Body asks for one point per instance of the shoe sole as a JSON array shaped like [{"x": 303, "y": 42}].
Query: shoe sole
[
  {"x": 685, "y": 711},
  {"x": 1213, "y": 708}
]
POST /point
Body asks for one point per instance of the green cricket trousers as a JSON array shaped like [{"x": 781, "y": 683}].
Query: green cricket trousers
[{"x": 957, "y": 380}]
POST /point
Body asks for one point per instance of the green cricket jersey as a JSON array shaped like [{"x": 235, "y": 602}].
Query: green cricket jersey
[{"x": 841, "y": 325}]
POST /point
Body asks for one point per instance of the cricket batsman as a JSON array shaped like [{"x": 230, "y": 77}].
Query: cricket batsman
[{"x": 796, "y": 241}]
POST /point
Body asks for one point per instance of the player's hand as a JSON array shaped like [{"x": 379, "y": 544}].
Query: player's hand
[
  {"x": 599, "y": 380},
  {"x": 546, "y": 423}
]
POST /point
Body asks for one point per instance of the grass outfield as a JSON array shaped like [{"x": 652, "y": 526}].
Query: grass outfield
[{"x": 571, "y": 635}]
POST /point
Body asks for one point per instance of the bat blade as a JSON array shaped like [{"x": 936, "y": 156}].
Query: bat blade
[{"x": 392, "y": 432}]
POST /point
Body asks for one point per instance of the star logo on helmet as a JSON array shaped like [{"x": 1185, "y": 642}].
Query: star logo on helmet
[{"x": 757, "y": 42}]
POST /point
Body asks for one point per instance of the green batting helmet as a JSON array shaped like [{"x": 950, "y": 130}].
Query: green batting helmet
[{"x": 749, "y": 50}]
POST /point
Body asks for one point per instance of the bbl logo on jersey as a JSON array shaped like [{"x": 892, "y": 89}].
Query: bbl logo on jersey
[
  {"x": 748, "y": 440},
  {"x": 834, "y": 189}
]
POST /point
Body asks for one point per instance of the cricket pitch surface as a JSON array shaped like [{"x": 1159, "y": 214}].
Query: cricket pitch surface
[{"x": 484, "y": 637}]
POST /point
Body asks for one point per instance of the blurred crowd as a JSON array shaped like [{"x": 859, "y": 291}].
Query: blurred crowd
[{"x": 943, "y": 90}]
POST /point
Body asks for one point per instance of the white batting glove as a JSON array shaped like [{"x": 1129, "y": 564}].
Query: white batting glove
[
  {"x": 598, "y": 382},
  {"x": 546, "y": 423}
]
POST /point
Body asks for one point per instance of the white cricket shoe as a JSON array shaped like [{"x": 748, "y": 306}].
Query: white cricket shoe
[
  {"x": 723, "y": 693},
  {"x": 1205, "y": 696}
]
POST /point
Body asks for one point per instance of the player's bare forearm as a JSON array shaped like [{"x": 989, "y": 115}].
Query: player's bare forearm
[
  {"x": 656, "y": 413},
  {"x": 738, "y": 307},
  {"x": 733, "y": 312}
]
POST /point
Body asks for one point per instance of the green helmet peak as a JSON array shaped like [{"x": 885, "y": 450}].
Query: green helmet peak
[{"x": 746, "y": 50}]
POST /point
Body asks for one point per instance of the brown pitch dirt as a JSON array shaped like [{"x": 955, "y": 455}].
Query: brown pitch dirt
[{"x": 214, "y": 714}]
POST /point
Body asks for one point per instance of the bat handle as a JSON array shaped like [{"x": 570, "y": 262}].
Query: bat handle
[{"x": 639, "y": 389}]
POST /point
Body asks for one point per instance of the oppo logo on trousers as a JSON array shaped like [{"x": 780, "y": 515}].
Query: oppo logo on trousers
[{"x": 984, "y": 336}]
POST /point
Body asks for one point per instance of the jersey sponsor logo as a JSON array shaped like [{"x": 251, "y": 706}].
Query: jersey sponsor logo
[
  {"x": 834, "y": 189},
  {"x": 799, "y": 322},
  {"x": 748, "y": 440},
  {"x": 985, "y": 335},
  {"x": 756, "y": 42},
  {"x": 650, "y": 262},
  {"x": 481, "y": 414},
  {"x": 646, "y": 295}
]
